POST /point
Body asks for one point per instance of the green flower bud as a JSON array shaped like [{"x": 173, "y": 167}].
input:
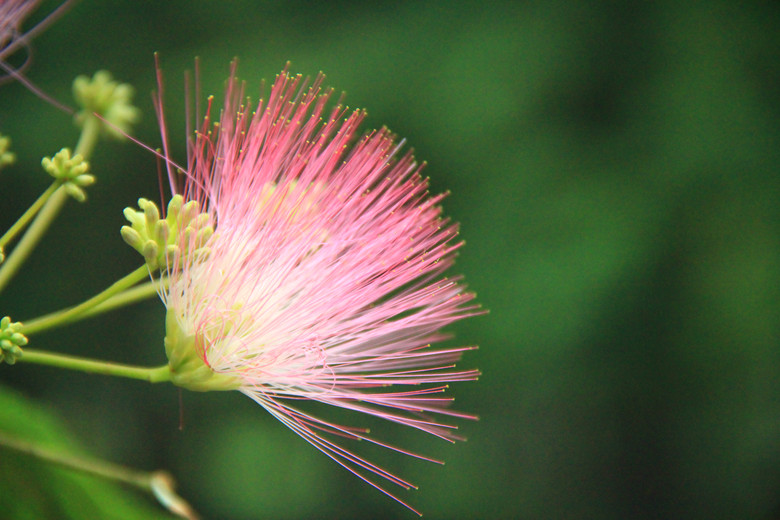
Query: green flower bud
[
  {"x": 161, "y": 241},
  {"x": 150, "y": 251},
  {"x": 75, "y": 192},
  {"x": 161, "y": 231},
  {"x": 71, "y": 171},
  {"x": 131, "y": 237},
  {"x": 11, "y": 341},
  {"x": 6, "y": 156},
  {"x": 151, "y": 213},
  {"x": 111, "y": 100}
]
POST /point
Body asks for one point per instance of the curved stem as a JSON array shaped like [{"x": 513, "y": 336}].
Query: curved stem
[
  {"x": 151, "y": 374},
  {"x": 158, "y": 483},
  {"x": 73, "y": 313},
  {"x": 28, "y": 215}
]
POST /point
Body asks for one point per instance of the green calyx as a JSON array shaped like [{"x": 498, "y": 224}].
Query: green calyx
[
  {"x": 187, "y": 367},
  {"x": 71, "y": 172},
  {"x": 6, "y": 156},
  {"x": 11, "y": 341},
  {"x": 109, "y": 99},
  {"x": 183, "y": 230}
]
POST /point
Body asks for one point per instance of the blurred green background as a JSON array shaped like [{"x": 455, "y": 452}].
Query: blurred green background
[{"x": 615, "y": 170}]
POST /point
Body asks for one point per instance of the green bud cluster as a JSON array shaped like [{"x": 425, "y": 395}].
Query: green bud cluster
[
  {"x": 160, "y": 241},
  {"x": 11, "y": 341},
  {"x": 71, "y": 171},
  {"x": 108, "y": 98},
  {"x": 6, "y": 156}
]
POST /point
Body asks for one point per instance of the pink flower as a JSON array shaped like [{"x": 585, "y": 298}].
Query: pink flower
[{"x": 324, "y": 279}]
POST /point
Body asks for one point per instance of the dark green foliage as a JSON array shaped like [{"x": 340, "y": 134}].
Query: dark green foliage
[{"x": 32, "y": 489}]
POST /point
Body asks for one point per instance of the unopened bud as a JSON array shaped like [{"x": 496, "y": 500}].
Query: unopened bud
[
  {"x": 183, "y": 230},
  {"x": 11, "y": 341}
]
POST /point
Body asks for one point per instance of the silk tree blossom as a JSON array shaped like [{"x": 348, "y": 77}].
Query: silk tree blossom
[{"x": 324, "y": 278}]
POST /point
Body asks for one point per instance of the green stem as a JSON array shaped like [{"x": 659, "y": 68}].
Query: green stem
[
  {"x": 128, "y": 297},
  {"x": 158, "y": 483},
  {"x": 90, "y": 133},
  {"x": 87, "y": 141},
  {"x": 159, "y": 374},
  {"x": 32, "y": 236},
  {"x": 74, "y": 313},
  {"x": 28, "y": 215},
  {"x": 87, "y": 465}
]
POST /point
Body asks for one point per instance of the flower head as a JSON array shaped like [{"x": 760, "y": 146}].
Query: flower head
[
  {"x": 71, "y": 172},
  {"x": 324, "y": 276},
  {"x": 109, "y": 99}
]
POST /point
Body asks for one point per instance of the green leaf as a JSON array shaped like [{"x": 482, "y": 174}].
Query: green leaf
[{"x": 33, "y": 489}]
